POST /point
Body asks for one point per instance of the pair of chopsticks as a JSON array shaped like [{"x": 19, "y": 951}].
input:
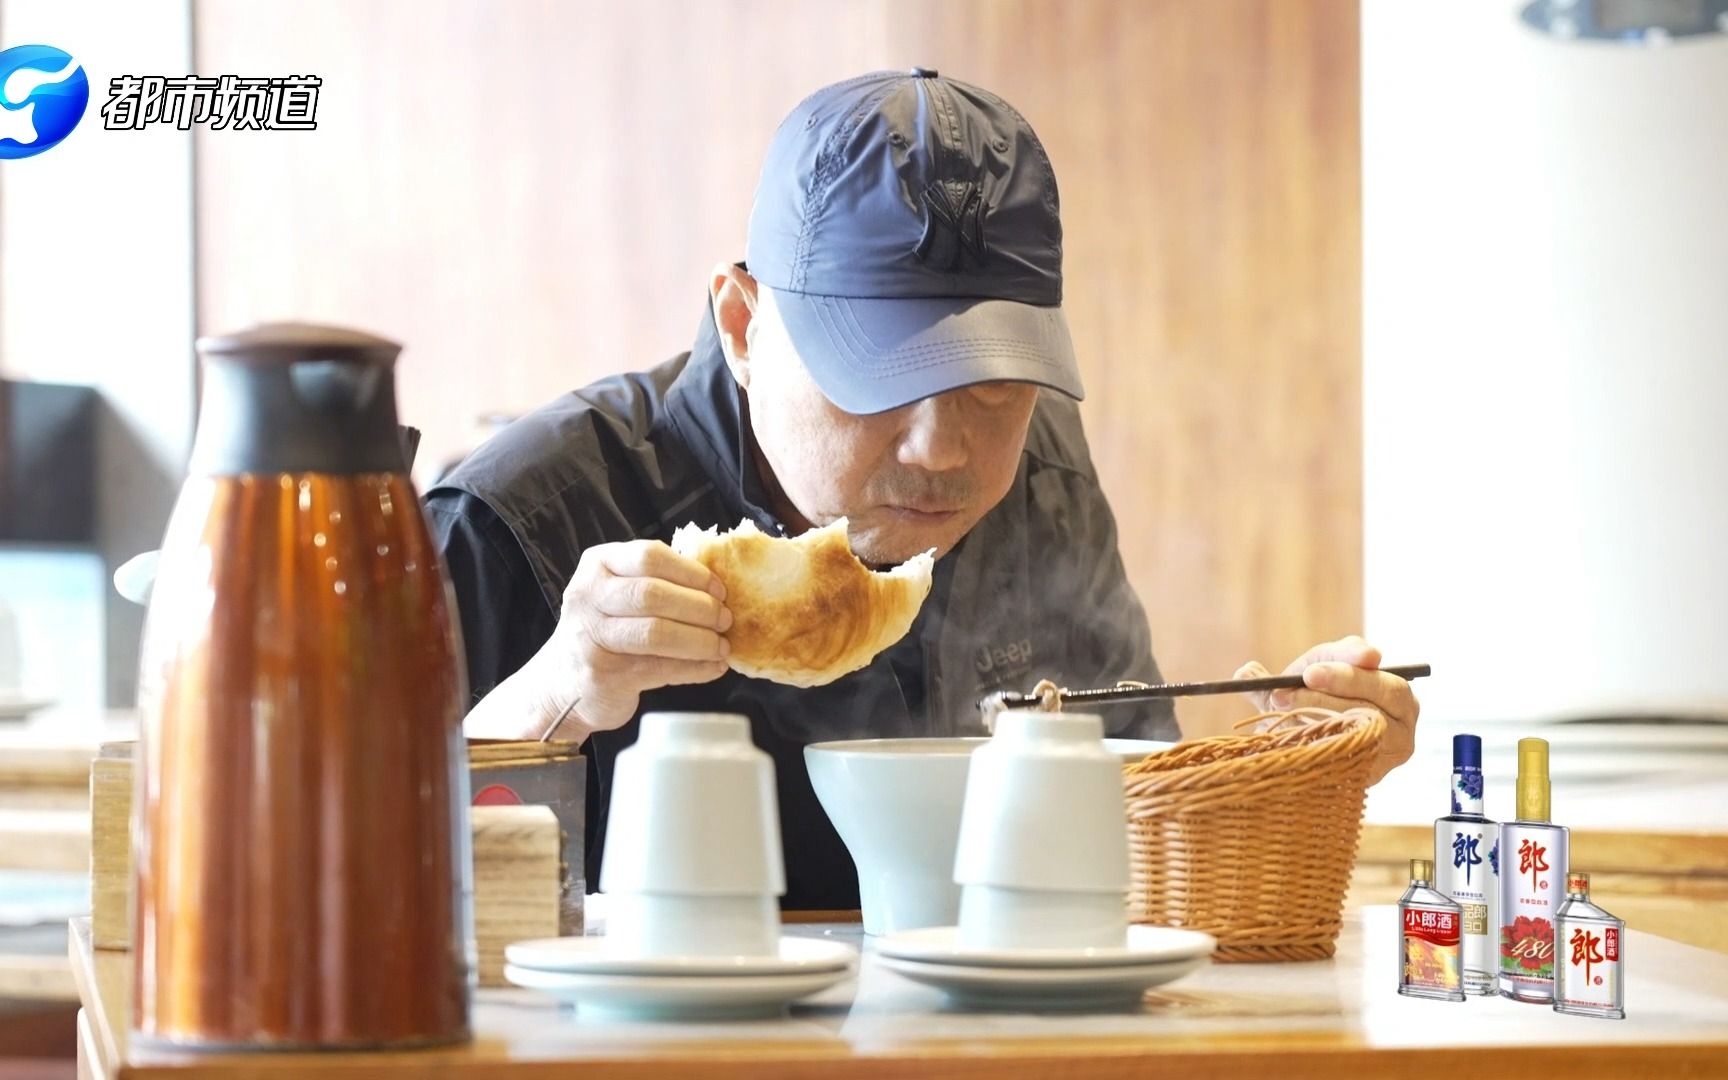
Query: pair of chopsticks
[{"x": 1009, "y": 699}]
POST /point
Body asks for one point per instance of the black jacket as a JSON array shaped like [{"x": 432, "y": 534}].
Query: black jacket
[{"x": 1036, "y": 590}]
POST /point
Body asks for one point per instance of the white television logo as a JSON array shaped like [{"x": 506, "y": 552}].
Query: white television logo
[{"x": 18, "y": 124}]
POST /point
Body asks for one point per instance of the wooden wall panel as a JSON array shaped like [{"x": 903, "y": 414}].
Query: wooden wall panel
[{"x": 530, "y": 196}]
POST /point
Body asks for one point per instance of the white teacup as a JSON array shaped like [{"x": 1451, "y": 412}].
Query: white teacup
[
  {"x": 1042, "y": 859},
  {"x": 993, "y": 917},
  {"x": 693, "y": 861},
  {"x": 661, "y": 924}
]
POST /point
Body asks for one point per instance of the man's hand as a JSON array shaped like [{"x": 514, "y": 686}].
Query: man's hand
[
  {"x": 636, "y": 616},
  {"x": 1344, "y": 675}
]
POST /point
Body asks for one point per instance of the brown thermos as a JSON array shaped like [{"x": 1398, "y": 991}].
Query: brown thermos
[{"x": 300, "y": 830}]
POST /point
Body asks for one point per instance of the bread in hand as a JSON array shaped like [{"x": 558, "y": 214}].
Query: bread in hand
[{"x": 805, "y": 611}]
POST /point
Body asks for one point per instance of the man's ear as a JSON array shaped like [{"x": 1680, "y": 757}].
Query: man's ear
[{"x": 733, "y": 294}]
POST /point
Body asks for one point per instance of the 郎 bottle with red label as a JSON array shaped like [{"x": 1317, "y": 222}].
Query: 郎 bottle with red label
[
  {"x": 1591, "y": 942},
  {"x": 1430, "y": 939},
  {"x": 1532, "y": 869}
]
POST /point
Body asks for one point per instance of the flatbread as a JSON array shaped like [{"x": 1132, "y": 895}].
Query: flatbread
[{"x": 805, "y": 611}]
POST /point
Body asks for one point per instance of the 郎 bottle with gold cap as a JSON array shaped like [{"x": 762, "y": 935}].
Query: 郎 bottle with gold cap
[
  {"x": 1533, "y": 853},
  {"x": 1430, "y": 939},
  {"x": 1587, "y": 973}
]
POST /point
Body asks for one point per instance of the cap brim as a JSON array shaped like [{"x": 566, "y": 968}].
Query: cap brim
[{"x": 872, "y": 355}]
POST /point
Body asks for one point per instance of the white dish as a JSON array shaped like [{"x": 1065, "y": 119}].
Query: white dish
[
  {"x": 590, "y": 956},
  {"x": 677, "y": 997},
  {"x": 1043, "y": 988},
  {"x": 1145, "y": 945}
]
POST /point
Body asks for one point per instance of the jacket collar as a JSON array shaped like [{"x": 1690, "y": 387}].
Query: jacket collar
[{"x": 706, "y": 405}]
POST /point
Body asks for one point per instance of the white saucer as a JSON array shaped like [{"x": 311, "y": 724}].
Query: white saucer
[
  {"x": 1044, "y": 988},
  {"x": 1145, "y": 945},
  {"x": 677, "y": 997},
  {"x": 588, "y": 956}
]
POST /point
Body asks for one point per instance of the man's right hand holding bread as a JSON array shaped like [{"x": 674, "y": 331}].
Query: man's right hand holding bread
[{"x": 636, "y": 616}]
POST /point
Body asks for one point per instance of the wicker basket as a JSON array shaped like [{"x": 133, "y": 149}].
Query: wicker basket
[{"x": 1251, "y": 838}]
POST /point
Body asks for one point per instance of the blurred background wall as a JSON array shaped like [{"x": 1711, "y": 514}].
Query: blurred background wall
[
  {"x": 531, "y": 196},
  {"x": 96, "y": 288},
  {"x": 1546, "y": 363}
]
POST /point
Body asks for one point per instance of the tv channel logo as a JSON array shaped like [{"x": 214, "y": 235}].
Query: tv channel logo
[{"x": 43, "y": 93}]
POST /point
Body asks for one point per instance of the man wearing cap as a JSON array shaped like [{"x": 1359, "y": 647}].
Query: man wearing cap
[{"x": 892, "y": 351}]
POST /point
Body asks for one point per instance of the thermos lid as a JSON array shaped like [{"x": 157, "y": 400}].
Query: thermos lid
[
  {"x": 290, "y": 341},
  {"x": 298, "y": 398}
]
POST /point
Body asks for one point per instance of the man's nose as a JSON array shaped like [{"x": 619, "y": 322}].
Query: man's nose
[{"x": 934, "y": 438}]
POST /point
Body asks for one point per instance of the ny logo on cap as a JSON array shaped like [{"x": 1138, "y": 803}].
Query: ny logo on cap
[{"x": 953, "y": 223}]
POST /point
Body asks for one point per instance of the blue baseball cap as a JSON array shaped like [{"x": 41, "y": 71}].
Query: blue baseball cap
[{"x": 908, "y": 227}]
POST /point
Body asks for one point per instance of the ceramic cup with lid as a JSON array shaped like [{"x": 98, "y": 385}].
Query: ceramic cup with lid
[
  {"x": 1042, "y": 859},
  {"x": 693, "y": 861}
]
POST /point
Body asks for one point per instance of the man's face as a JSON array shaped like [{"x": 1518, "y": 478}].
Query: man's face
[{"x": 915, "y": 478}]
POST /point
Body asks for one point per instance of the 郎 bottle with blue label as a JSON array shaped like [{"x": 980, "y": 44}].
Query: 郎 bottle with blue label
[{"x": 1467, "y": 867}]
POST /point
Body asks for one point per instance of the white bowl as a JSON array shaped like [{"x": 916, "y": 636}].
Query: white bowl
[{"x": 896, "y": 803}]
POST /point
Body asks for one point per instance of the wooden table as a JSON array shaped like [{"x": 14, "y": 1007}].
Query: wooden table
[{"x": 1329, "y": 1019}]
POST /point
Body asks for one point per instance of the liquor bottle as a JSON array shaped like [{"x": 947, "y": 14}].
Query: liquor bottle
[
  {"x": 1429, "y": 925},
  {"x": 1467, "y": 866},
  {"x": 1534, "y": 852},
  {"x": 1588, "y": 975}
]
